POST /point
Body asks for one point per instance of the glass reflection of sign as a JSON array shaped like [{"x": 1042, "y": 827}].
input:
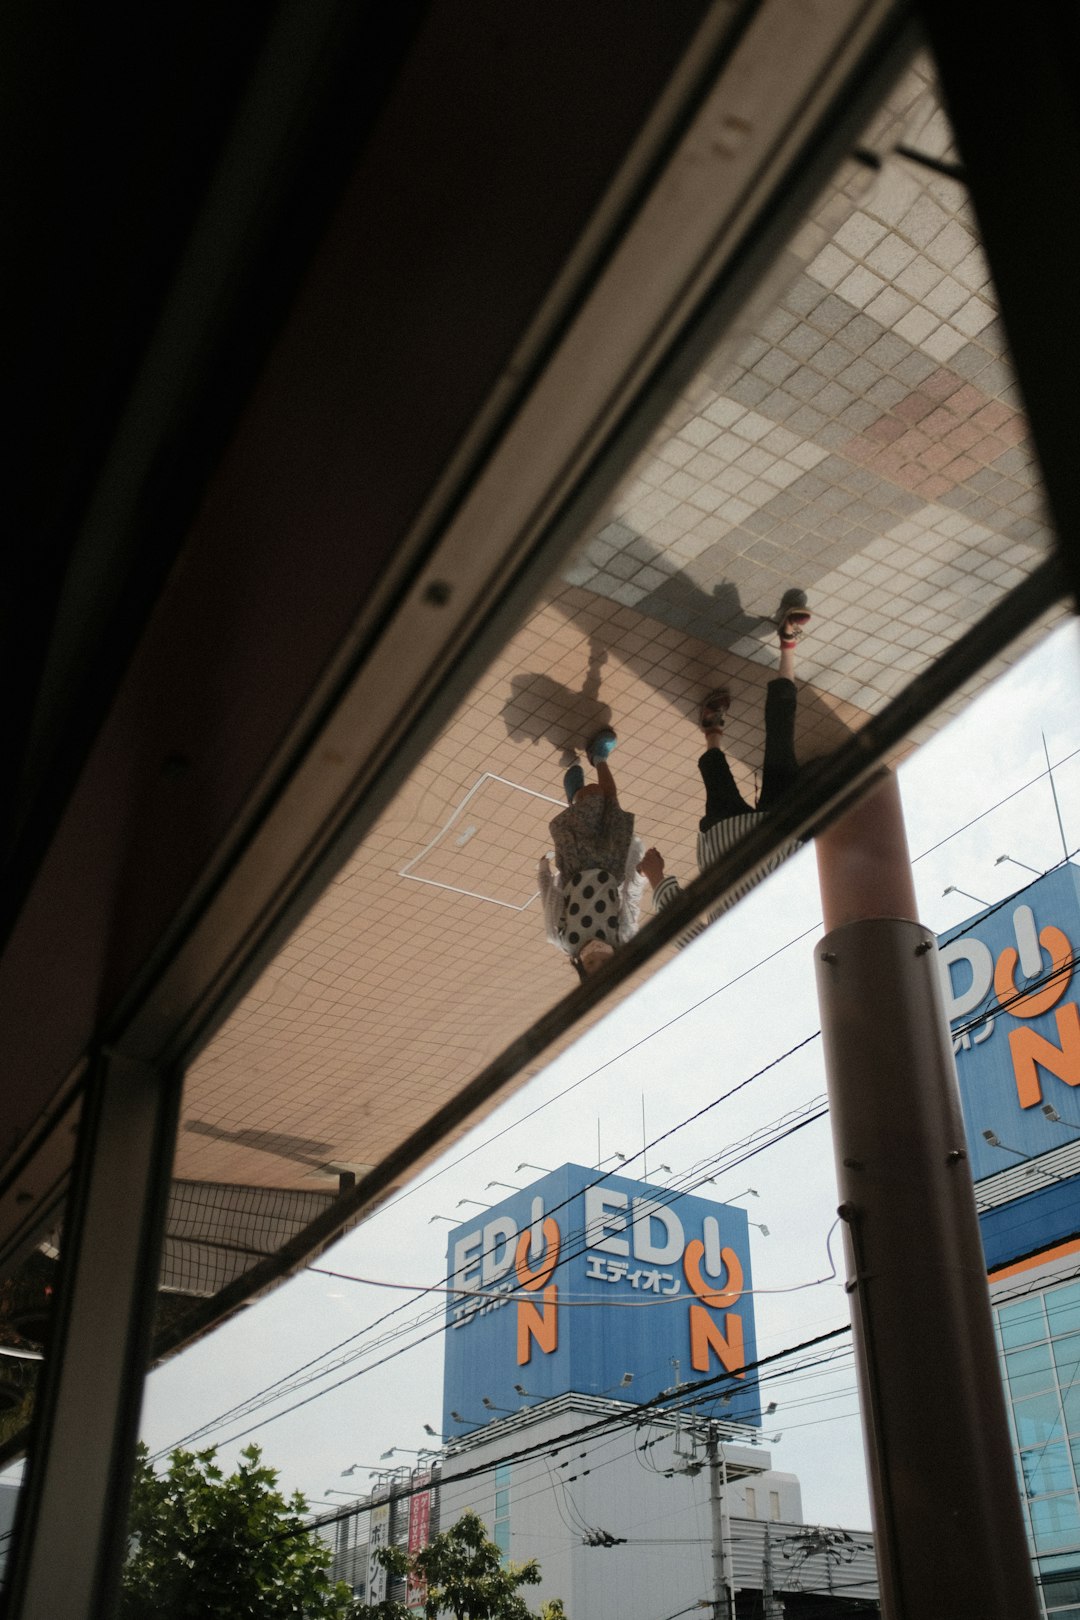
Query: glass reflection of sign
[
  {"x": 378, "y": 1536},
  {"x": 1010, "y": 996},
  {"x": 419, "y": 1536},
  {"x": 603, "y": 1287}
]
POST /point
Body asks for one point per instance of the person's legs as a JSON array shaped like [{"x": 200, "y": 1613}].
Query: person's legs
[
  {"x": 722, "y": 797},
  {"x": 780, "y": 767},
  {"x": 606, "y": 780},
  {"x": 597, "y": 750}
]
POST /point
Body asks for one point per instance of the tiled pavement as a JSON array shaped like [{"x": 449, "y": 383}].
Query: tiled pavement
[{"x": 864, "y": 441}]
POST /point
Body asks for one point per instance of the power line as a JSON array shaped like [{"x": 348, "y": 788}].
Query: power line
[
  {"x": 287, "y": 1382},
  {"x": 663, "y": 1402},
  {"x": 692, "y": 1119}
]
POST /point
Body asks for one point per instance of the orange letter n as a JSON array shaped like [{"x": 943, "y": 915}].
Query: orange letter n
[
  {"x": 705, "y": 1334},
  {"x": 543, "y": 1326},
  {"x": 1031, "y": 1051}
]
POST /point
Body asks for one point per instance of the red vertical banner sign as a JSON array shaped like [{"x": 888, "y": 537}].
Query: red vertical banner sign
[{"x": 419, "y": 1536}]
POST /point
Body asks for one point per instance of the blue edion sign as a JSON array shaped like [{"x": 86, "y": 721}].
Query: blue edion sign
[
  {"x": 576, "y": 1281},
  {"x": 1016, "y": 1022}
]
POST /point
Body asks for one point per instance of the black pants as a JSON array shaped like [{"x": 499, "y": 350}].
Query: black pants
[{"x": 780, "y": 768}]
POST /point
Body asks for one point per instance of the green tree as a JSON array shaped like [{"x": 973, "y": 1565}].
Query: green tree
[
  {"x": 204, "y": 1546},
  {"x": 465, "y": 1575}
]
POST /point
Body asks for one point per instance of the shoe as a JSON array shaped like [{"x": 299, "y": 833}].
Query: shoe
[
  {"x": 714, "y": 710},
  {"x": 573, "y": 782},
  {"x": 599, "y": 747},
  {"x": 792, "y": 617}
]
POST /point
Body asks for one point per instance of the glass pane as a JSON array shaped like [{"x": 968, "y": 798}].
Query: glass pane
[
  {"x": 1070, "y": 1404},
  {"x": 1047, "y": 1469},
  {"x": 1021, "y": 1322},
  {"x": 502, "y": 1535},
  {"x": 1056, "y": 1523},
  {"x": 1029, "y": 1371},
  {"x": 1035, "y": 1359},
  {"x": 1051, "y": 1569},
  {"x": 1037, "y": 1419},
  {"x": 1067, "y": 1357},
  {"x": 502, "y": 1504},
  {"x": 1058, "y": 1589},
  {"x": 1063, "y": 1309}
]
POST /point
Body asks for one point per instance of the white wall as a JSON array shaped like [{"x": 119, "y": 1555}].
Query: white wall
[{"x": 617, "y": 1483}]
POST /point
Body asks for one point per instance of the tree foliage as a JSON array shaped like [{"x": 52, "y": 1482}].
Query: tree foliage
[
  {"x": 465, "y": 1576},
  {"x": 205, "y": 1546}
]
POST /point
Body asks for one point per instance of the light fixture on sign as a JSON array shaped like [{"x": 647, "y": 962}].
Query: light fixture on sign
[
  {"x": 1052, "y": 1114},
  {"x": 764, "y": 1230},
  {"x": 952, "y": 889},
  {"x": 527, "y": 1166},
  {"x": 995, "y": 1141},
  {"x": 1024, "y": 864}
]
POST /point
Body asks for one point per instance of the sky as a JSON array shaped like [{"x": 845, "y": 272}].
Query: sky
[{"x": 738, "y": 999}]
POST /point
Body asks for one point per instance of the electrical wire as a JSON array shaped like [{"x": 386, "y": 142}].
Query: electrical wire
[
  {"x": 664, "y": 1401},
  {"x": 288, "y": 1381},
  {"x": 250, "y": 1405}
]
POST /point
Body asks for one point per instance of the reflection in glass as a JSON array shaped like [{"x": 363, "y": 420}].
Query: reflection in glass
[
  {"x": 1063, "y": 1310},
  {"x": 1038, "y": 1418},
  {"x": 859, "y": 438},
  {"x": 1049, "y": 1468},
  {"x": 1021, "y": 1323},
  {"x": 1055, "y": 1521},
  {"x": 1029, "y": 1370}
]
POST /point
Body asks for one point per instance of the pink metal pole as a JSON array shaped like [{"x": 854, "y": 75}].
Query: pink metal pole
[{"x": 948, "y": 1525}]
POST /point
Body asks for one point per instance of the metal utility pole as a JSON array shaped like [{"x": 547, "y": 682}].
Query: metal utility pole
[
  {"x": 948, "y": 1526},
  {"x": 723, "y": 1598},
  {"x": 771, "y": 1610}
]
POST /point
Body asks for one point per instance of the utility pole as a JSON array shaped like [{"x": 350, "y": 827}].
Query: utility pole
[
  {"x": 769, "y": 1606},
  {"x": 949, "y": 1534},
  {"x": 723, "y": 1598}
]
